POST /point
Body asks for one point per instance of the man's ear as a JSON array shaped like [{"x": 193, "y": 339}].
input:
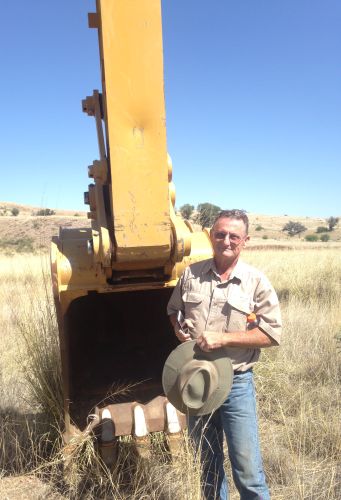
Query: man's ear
[{"x": 247, "y": 239}]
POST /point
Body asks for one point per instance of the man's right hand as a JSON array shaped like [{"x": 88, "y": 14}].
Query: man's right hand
[{"x": 181, "y": 334}]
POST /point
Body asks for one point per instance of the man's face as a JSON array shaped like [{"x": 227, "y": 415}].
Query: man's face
[{"x": 228, "y": 237}]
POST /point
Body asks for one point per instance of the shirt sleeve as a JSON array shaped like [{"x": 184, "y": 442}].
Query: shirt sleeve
[
  {"x": 267, "y": 310},
  {"x": 176, "y": 303}
]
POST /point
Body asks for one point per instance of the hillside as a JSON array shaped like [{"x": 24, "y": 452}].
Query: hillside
[{"x": 29, "y": 232}]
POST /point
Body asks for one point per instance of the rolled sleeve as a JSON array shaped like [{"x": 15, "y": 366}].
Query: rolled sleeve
[{"x": 268, "y": 311}]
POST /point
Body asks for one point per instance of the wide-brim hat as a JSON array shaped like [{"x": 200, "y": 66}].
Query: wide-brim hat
[{"x": 197, "y": 382}]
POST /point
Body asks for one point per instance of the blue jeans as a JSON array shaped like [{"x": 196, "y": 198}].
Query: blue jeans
[{"x": 237, "y": 419}]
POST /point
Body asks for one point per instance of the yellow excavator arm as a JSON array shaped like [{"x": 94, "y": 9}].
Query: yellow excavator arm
[{"x": 111, "y": 282}]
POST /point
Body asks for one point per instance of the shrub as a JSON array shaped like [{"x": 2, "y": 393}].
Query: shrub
[
  {"x": 325, "y": 237},
  {"x": 322, "y": 229},
  {"x": 15, "y": 211},
  {"x": 311, "y": 237},
  {"x": 45, "y": 211},
  {"x": 259, "y": 228},
  {"x": 264, "y": 237}
]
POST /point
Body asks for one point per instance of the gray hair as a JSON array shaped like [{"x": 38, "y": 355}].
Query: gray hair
[{"x": 234, "y": 213}]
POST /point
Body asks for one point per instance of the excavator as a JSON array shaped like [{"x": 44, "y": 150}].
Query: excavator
[{"x": 112, "y": 281}]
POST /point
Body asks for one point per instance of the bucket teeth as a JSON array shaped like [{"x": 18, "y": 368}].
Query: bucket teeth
[
  {"x": 173, "y": 424},
  {"x": 107, "y": 427},
  {"x": 173, "y": 430},
  {"x": 140, "y": 424},
  {"x": 141, "y": 435},
  {"x": 108, "y": 442}
]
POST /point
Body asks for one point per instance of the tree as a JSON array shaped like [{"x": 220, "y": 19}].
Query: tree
[
  {"x": 293, "y": 228},
  {"x": 15, "y": 211},
  {"x": 186, "y": 210},
  {"x": 207, "y": 212},
  {"x": 332, "y": 222}
]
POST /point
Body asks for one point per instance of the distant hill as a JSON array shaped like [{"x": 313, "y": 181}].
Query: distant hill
[
  {"x": 7, "y": 206},
  {"x": 30, "y": 232}
]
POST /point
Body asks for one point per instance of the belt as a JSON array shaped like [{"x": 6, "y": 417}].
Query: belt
[{"x": 238, "y": 372}]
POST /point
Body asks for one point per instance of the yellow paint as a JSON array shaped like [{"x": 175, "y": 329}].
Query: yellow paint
[{"x": 132, "y": 68}]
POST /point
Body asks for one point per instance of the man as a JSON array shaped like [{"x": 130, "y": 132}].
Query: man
[{"x": 217, "y": 297}]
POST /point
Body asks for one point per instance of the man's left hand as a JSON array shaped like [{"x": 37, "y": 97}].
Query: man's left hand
[{"x": 210, "y": 340}]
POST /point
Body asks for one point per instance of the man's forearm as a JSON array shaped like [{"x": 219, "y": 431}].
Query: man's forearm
[
  {"x": 172, "y": 319},
  {"x": 251, "y": 339}
]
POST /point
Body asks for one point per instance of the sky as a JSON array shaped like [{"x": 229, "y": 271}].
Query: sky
[{"x": 253, "y": 103}]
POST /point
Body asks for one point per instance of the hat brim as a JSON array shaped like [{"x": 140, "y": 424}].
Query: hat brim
[{"x": 184, "y": 353}]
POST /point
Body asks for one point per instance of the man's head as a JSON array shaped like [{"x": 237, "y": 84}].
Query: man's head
[{"x": 229, "y": 234}]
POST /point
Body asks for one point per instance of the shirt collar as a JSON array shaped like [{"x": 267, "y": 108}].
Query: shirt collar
[{"x": 237, "y": 273}]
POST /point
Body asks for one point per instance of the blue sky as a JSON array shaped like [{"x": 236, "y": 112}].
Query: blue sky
[{"x": 253, "y": 103}]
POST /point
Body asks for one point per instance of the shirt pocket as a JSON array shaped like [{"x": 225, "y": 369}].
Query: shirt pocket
[
  {"x": 240, "y": 308},
  {"x": 193, "y": 306}
]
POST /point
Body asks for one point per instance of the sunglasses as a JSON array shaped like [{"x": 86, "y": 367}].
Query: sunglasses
[{"x": 234, "y": 238}]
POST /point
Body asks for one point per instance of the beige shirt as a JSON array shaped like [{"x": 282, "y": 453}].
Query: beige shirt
[{"x": 223, "y": 306}]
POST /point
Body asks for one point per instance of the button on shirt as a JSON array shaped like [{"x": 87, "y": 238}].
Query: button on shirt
[{"x": 223, "y": 306}]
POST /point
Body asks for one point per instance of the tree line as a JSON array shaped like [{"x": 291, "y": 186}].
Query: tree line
[
  {"x": 205, "y": 214},
  {"x": 295, "y": 228}
]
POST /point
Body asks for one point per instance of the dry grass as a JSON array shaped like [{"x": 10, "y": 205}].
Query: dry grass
[
  {"x": 299, "y": 384},
  {"x": 298, "y": 392}
]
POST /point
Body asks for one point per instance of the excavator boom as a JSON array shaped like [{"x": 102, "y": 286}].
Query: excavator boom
[{"x": 111, "y": 282}]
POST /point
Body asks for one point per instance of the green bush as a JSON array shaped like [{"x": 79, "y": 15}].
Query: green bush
[
  {"x": 311, "y": 237},
  {"x": 325, "y": 237},
  {"x": 322, "y": 229},
  {"x": 45, "y": 211},
  {"x": 264, "y": 237},
  {"x": 15, "y": 211},
  {"x": 259, "y": 228}
]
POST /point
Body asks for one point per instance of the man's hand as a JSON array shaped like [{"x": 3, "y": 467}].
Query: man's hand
[
  {"x": 210, "y": 340},
  {"x": 182, "y": 333}
]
